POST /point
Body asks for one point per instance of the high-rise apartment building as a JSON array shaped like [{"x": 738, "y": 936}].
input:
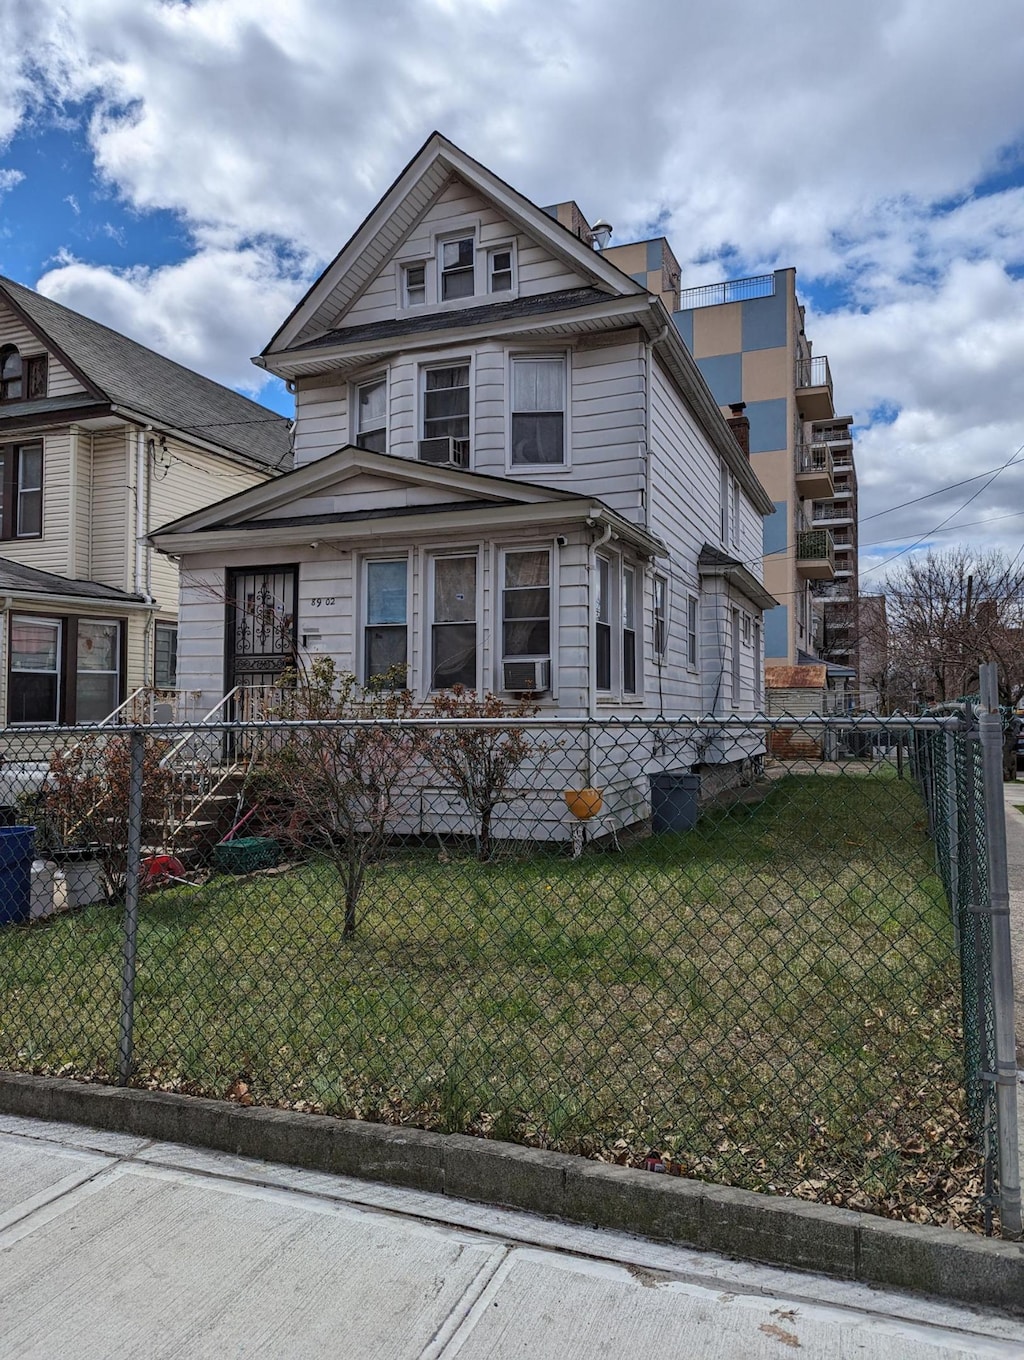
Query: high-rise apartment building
[{"x": 748, "y": 338}]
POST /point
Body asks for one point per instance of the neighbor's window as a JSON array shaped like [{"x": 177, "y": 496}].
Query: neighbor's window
[
  {"x": 691, "y": 630},
  {"x": 499, "y": 270},
  {"x": 414, "y": 285},
  {"x": 446, "y": 402},
  {"x": 723, "y": 496},
  {"x": 165, "y": 656},
  {"x": 629, "y": 630},
  {"x": 453, "y": 626},
  {"x": 386, "y": 638},
  {"x": 458, "y": 269},
  {"x": 34, "y": 680},
  {"x": 372, "y": 416},
  {"x": 538, "y": 411},
  {"x": 21, "y": 491},
  {"x": 603, "y": 614},
  {"x": 526, "y": 604},
  {"x": 98, "y": 669},
  {"x": 12, "y": 385}
]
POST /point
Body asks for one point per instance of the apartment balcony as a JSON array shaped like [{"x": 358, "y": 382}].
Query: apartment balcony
[
  {"x": 832, "y": 592},
  {"x": 814, "y": 471},
  {"x": 814, "y": 388},
  {"x": 732, "y": 290},
  {"x": 815, "y": 555},
  {"x": 843, "y": 538},
  {"x": 842, "y": 460},
  {"x": 828, "y": 516},
  {"x": 832, "y": 434}
]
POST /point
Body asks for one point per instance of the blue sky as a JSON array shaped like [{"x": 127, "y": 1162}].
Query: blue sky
[{"x": 181, "y": 171}]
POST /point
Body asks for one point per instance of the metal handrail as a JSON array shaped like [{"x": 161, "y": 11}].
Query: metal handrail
[
  {"x": 814, "y": 372},
  {"x": 814, "y": 458},
  {"x": 731, "y": 290}
]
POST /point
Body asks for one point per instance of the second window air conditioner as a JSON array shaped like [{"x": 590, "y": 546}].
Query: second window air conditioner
[
  {"x": 531, "y": 676},
  {"x": 445, "y": 452}
]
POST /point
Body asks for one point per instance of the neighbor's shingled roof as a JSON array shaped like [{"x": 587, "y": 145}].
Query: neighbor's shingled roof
[
  {"x": 130, "y": 375},
  {"x": 16, "y": 579}
]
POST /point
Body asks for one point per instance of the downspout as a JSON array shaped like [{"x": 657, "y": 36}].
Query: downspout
[{"x": 141, "y": 583}]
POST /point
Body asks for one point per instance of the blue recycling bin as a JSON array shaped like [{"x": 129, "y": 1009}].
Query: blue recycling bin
[{"x": 17, "y": 851}]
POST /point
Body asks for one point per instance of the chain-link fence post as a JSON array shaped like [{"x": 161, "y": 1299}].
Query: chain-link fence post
[
  {"x": 991, "y": 727},
  {"x": 137, "y": 751}
]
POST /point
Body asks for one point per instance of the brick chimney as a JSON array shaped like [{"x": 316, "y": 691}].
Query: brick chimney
[{"x": 740, "y": 425}]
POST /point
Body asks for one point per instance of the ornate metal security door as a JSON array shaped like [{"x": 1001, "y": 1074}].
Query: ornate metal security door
[{"x": 262, "y": 621}]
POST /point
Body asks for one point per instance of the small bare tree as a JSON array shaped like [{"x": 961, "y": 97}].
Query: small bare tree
[
  {"x": 481, "y": 762},
  {"x": 342, "y": 789}
]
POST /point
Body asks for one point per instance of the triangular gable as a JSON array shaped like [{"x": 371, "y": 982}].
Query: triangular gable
[
  {"x": 380, "y": 236},
  {"x": 20, "y": 329},
  {"x": 357, "y": 480}
]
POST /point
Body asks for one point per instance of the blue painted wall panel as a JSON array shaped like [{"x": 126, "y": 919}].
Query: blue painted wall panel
[
  {"x": 763, "y": 320},
  {"x": 684, "y": 325},
  {"x": 769, "y": 427},
  {"x": 655, "y": 253},
  {"x": 776, "y": 631},
  {"x": 776, "y": 529},
  {"x": 723, "y": 373}
]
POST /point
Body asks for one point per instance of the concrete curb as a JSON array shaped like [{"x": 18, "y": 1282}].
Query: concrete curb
[{"x": 777, "y": 1231}]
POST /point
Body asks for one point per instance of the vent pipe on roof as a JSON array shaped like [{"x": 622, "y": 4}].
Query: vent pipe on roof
[{"x": 600, "y": 234}]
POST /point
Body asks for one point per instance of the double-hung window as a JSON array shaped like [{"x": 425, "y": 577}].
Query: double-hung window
[
  {"x": 723, "y": 500},
  {"x": 691, "y": 631},
  {"x": 735, "y": 524},
  {"x": 97, "y": 678},
  {"x": 372, "y": 416},
  {"x": 538, "y": 411},
  {"x": 526, "y": 604},
  {"x": 34, "y": 681},
  {"x": 21, "y": 491},
  {"x": 165, "y": 656},
  {"x": 63, "y": 669},
  {"x": 386, "y": 641},
  {"x": 735, "y": 658},
  {"x": 446, "y": 402},
  {"x": 458, "y": 268},
  {"x": 414, "y": 285},
  {"x": 660, "y": 617},
  {"x": 499, "y": 270},
  {"x": 453, "y": 642},
  {"x": 603, "y": 625},
  {"x": 757, "y": 667},
  {"x": 629, "y": 630}
]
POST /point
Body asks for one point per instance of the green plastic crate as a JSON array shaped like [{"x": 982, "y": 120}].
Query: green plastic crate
[{"x": 245, "y": 854}]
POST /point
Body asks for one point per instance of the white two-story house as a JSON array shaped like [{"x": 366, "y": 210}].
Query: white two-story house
[
  {"x": 509, "y": 474},
  {"x": 101, "y": 440}
]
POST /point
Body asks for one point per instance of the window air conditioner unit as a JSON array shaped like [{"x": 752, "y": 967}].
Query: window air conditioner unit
[
  {"x": 527, "y": 677},
  {"x": 445, "y": 452}
]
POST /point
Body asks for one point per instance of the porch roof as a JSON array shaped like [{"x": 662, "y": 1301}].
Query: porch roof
[{"x": 17, "y": 579}]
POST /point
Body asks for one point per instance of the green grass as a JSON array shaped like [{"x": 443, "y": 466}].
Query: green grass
[{"x": 771, "y": 999}]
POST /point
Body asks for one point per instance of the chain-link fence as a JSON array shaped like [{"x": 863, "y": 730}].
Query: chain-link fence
[{"x": 724, "y": 948}]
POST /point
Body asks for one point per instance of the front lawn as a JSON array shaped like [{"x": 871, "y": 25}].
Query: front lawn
[{"x": 770, "y": 1000}]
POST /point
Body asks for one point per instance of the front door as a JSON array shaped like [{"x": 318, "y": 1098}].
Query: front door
[{"x": 261, "y": 629}]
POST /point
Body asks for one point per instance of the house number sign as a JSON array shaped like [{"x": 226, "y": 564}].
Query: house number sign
[{"x": 322, "y": 601}]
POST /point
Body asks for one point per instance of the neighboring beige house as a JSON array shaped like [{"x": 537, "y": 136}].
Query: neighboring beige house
[
  {"x": 748, "y": 337},
  {"x": 509, "y": 474},
  {"x": 102, "y": 440}
]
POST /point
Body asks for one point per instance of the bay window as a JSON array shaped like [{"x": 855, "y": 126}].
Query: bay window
[
  {"x": 538, "y": 411},
  {"x": 63, "y": 670},
  {"x": 453, "y": 631}
]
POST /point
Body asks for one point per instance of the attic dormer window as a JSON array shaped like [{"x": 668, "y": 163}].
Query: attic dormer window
[
  {"x": 458, "y": 269},
  {"x": 12, "y": 385}
]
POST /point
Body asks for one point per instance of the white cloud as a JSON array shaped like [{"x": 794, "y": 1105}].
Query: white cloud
[
  {"x": 211, "y": 312},
  {"x": 848, "y": 140}
]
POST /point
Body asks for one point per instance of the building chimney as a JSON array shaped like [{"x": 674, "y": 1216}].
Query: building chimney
[{"x": 740, "y": 425}]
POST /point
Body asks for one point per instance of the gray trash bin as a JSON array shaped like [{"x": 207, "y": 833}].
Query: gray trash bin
[{"x": 674, "y": 800}]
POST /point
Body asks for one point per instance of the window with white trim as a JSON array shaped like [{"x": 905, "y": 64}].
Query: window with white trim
[
  {"x": 453, "y": 625},
  {"x": 414, "y": 285},
  {"x": 603, "y": 625},
  {"x": 746, "y": 629},
  {"x": 629, "y": 649},
  {"x": 735, "y": 525},
  {"x": 723, "y": 500},
  {"x": 660, "y": 616},
  {"x": 735, "y": 659},
  {"x": 386, "y": 631},
  {"x": 372, "y": 415},
  {"x": 499, "y": 269},
  {"x": 538, "y": 411},
  {"x": 165, "y": 655},
  {"x": 526, "y": 604},
  {"x": 758, "y": 672},
  {"x": 446, "y": 402},
  {"x": 98, "y": 669},
  {"x": 34, "y": 675},
  {"x": 691, "y": 631},
  {"x": 457, "y": 259}
]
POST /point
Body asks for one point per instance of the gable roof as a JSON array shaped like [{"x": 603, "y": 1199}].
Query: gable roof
[
  {"x": 478, "y": 493},
  {"x": 382, "y": 231},
  {"x": 114, "y": 368}
]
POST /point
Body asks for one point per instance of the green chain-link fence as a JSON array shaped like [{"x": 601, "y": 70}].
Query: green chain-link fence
[{"x": 727, "y": 944}]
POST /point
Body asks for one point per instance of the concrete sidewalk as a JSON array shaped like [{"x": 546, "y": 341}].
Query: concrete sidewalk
[{"x": 114, "y": 1246}]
